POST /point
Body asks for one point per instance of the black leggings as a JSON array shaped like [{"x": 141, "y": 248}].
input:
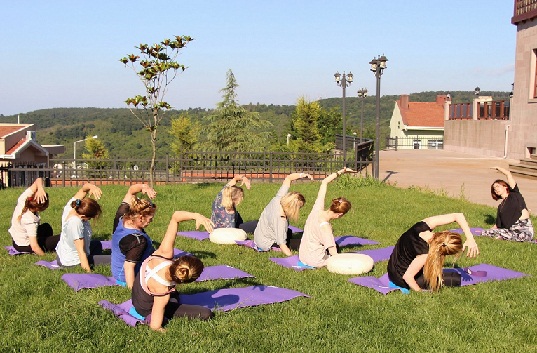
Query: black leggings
[
  {"x": 175, "y": 309},
  {"x": 95, "y": 257},
  {"x": 45, "y": 239},
  {"x": 451, "y": 279}
]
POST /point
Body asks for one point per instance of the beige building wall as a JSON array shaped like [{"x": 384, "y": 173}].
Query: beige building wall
[
  {"x": 523, "y": 119},
  {"x": 481, "y": 137}
]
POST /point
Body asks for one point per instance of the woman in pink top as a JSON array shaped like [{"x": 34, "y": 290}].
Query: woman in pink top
[{"x": 318, "y": 242}]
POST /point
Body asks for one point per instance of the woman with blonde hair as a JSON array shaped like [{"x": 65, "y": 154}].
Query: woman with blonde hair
[
  {"x": 224, "y": 207},
  {"x": 273, "y": 225},
  {"x": 130, "y": 243},
  {"x": 154, "y": 290},
  {"x": 512, "y": 218},
  {"x": 417, "y": 260},
  {"x": 318, "y": 243},
  {"x": 75, "y": 246},
  {"x": 29, "y": 235}
]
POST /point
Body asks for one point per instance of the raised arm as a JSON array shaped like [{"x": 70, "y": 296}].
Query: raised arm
[
  {"x": 510, "y": 180},
  {"x": 244, "y": 181},
  {"x": 88, "y": 189},
  {"x": 166, "y": 246},
  {"x": 295, "y": 176},
  {"x": 330, "y": 178},
  {"x": 38, "y": 190},
  {"x": 441, "y": 220},
  {"x": 137, "y": 188}
]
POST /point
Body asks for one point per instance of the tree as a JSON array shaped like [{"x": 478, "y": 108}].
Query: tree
[
  {"x": 305, "y": 127},
  {"x": 156, "y": 67},
  {"x": 97, "y": 155},
  {"x": 185, "y": 133},
  {"x": 231, "y": 126}
]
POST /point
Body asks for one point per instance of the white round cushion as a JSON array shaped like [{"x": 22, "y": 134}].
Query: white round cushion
[
  {"x": 227, "y": 235},
  {"x": 350, "y": 263}
]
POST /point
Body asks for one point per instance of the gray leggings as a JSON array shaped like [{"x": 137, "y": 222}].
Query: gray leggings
[{"x": 522, "y": 230}]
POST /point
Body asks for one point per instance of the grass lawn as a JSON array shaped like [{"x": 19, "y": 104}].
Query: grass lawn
[{"x": 40, "y": 313}]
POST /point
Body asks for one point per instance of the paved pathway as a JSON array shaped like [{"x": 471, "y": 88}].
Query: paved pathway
[{"x": 451, "y": 172}]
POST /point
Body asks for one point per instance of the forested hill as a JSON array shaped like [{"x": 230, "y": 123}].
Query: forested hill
[{"x": 124, "y": 136}]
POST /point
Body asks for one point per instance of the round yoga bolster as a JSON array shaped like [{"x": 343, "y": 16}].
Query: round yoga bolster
[
  {"x": 350, "y": 264},
  {"x": 227, "y": 235}
]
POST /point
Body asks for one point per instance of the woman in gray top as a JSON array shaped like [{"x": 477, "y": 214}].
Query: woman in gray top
[{"x": 274, "y": 220}]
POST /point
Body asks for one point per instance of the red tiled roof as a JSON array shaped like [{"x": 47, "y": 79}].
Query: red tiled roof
[
  {"x": 17, "y": 145},
  {"x": 6, "y": 130},
  {"x": 429, "y": 114}
]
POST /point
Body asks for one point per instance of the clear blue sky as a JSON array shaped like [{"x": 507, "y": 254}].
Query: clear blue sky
[{"x": 65, "y": 53}]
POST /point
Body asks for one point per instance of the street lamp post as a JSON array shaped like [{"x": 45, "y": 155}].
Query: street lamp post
[
  {"x": 377, "y": 67},
  {"x": 343, "y": 81},
  {"x": 362, "y": 93},
  {"x": 74, "y": 146}
]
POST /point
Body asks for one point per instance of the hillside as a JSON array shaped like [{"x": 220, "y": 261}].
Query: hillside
[{"x": 122, "y": 133}]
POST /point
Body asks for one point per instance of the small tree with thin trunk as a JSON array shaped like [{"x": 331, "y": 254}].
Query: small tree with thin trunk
[{"x": 156, "y": 66}]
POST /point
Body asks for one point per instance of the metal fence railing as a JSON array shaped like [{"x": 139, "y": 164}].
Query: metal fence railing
[
  {"x": 201, "y": 166},
  {"x": 415, "y": 142}
]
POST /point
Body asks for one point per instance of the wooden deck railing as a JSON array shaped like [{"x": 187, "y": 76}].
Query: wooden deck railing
[{"x": 491, "y": 110}]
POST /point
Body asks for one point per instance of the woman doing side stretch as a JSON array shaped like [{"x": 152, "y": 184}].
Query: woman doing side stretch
[
  {"x": 224, "y": 208},
  {"x": 154, "y": 289},
  {"x": 130, "y": 243},
  {"x": 318, "y": 243},
  {"x": 75, "y": 246},
  {"x": 512, "y": 218},
  {"x": 29, "y": 236},
  {"x": 418, "y": 257},
  {"x": 273, "y": 224}
]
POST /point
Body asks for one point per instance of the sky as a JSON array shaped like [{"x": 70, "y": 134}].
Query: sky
[{"x": 65, "y": 53}]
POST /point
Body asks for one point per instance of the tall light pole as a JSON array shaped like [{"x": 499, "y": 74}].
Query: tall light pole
[
  {"x": 377, "y": 67},
  {"x": 343, "y": 81},
  {"x": 362, "y": 93},
  {"x": 74, "y": 146}
]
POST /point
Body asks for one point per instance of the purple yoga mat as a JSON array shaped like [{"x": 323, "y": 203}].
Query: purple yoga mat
[
  {"x": 53, "y": 265},
  {"x": 79, "y": 281},
  {"x": 221, "y": 272},
  {"x": 289, "y": 262},
  {"x": 296, "y": 229},
  {"x": 378, "y": 255},
  {"x": 194, "y": 234},
  {"x": 250, "y": 244},
  {"x": 218, "y": 300},
  {"x": 347, "y": 240},
  {"x": 106, "y": 244},
  {"x": 493, "y": 273},
  {"x": 475, "y": 231},
  {"x": 12, "y": 251}
]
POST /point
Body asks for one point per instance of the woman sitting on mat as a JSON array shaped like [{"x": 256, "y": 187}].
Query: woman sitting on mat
[
  {"x": 512, "y": 218},
  {"x": 224, "y": 211},
  {"x": 153, "y": 291},
  {"x": 273, "y": 225},
  {"x": 318, "y": 243},
  {"x": 75, "y": 246},
  {"x": 130, "y": 243},
  {"x": 418, "y": 257},
  {"x": 29, "y": 236}
]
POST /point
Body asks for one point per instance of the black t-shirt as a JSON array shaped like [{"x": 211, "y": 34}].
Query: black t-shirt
[
  {"x": 407, "y": 248},
  {"x": 510, "y": 210}
]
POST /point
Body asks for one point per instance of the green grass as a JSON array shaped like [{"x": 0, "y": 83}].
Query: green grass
[{"x": 40, "y": 313}]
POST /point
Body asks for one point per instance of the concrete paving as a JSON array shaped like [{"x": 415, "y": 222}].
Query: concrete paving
[{"x": 453, "y": 173}]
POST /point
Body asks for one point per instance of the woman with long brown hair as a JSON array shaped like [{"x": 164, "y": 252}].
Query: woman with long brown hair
[
  {"x": 512, "y": 218},
  {"x": 318, "y": 243},
  {"x": 29, "y": 235},
  {"x": 417, "y": 260}
]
